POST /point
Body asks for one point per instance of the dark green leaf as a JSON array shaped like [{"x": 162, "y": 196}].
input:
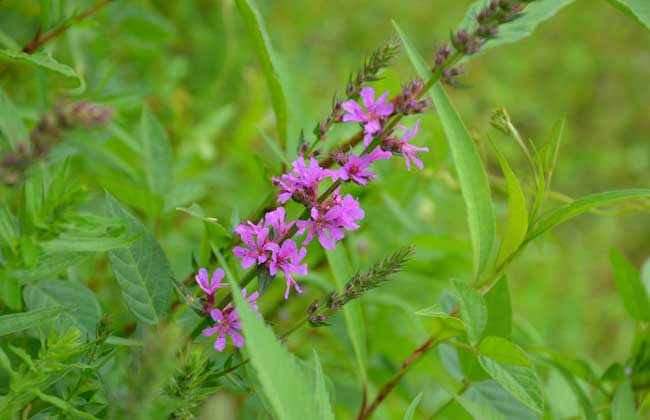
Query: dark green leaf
[
  {"x": 520, "y": 381},
  {"x": 499, "y": 308},
  {"x": 10, "y": 123},
  {"x": 473, "y": 310},
  {"x": 12, "y": 323},
  {"x": 624, "y": 405},
  {"x": 487, "y": 400}
]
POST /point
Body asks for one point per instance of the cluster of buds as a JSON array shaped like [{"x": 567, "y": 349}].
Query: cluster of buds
[
  {"x": 408, "y": 102},
  {"x": 377, "y": 275},
  {"x": 464, "y": 42},
  {"x": 48, "y": 132}
]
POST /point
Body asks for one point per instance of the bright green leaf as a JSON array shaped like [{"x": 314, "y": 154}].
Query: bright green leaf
[
  {"x": 487, "y": 400},
  {"x": 10, "y": 124},
  {"x": 12, "y": 323},
  {"x": 142, "y": 271},
  {"x": 283, "y": 384},
  {"x": 66, "y": 243},
  {"x": 499, "y": 308},
  {"x": 520, "y": 381},
  {"x": 410, "y": 411},
  {"x": 156, "y": 153},
  {"x": 320, "y": 392},
  {"x": 630, "y": 288},
  {"x": 473, "y": 310},
  {"x": 503, "y": 351},
  {"x": 624, "y": 405},
  {"x": 639, "y": 10},
  {"x": 45, "y": 61},
  {"x": 568, "y": 211},
  {"x": 444, "y": 326},
  {"x": 269, "y": 61},
  {"x": 471, "y": 173},
  {"x": 83, "y": 308}
]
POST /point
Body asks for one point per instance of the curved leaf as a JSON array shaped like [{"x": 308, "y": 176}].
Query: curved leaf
[
  {"x": 639, "y": 10},
  {"x": 410, "y": 411},
  {"x": 45, "y": 61},
  {"x": 520, "y": 381},
  {"x": 12, "y": 323},
  {"x": 471, "y": 173},
  {"x": 257, "y": 30},
  {"x": 569, "y": 211},
  {"x": 630, "y": 287}
]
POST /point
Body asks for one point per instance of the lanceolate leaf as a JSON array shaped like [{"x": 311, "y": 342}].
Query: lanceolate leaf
[
  {"x": 568, "y": 211},
  {"x": 76, "y": 243},
  {"x": 471, "y": 173},
  {"x": 25, "y": 320},
  {"x": 472, "y": 309},
  {"x": 535, "y": 13},
  {"x": 639, "y": 10},
  {"x": 156, "y": 153},
  {"x": 410, "y": 411},
  {"x": 320, "y": 392},
  {"x": 83, "y": 308},
  {"x": 501, "y": 350},
  {"x": 45, "y": 61},
  {"x": 630, "y": 287},
  {"x": 284, "y": 385},
  {"x": 515, "y": 233},
  {"x": 142, "y": 271},
  {"x": 521, "y": 381},
  {"x": 487, "y": 400},
  {"x": 257, "y": 30}
]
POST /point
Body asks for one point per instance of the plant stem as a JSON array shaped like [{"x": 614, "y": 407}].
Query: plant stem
[{"x": 417, "y": 354}]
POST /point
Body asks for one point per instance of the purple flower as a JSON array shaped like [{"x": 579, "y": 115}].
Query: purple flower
[
  {"x": 287, "y": 258},
  {"x": 302, "y": 181},
  {"x": 326, "y": 226},
  {"x": 350, "y": 211},
  {"x": 257, "y": 249},
  {"x": 211, "y": 286},
  {"x": 374, "y": 115},
  {"x": 408, "y": 150},
  {"x": 228, "y": 323},
  {"x": 275, "y": 219},
  {"x": 355, "y": 167}
]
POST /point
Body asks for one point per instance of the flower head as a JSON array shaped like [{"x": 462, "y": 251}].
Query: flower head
[
  {"x": 210, "y": 286},
  {"x": 355, "y": 168},
  {"x": 374, "y": 115},
  {"x": 287, "y": 258},
  {"x": 325, "y": 226},
  {"x": 302, "y": 182},
  {"x": 256, "y": 253},
  {"x": 227, "y": 323},
  {"x": 276, "y": 219}
]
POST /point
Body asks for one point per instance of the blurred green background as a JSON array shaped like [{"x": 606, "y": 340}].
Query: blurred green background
[{"x": 193, "y": 63}]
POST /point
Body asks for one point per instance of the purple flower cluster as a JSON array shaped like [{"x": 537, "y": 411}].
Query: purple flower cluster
[
  {"x": 227, "y": 320},
  {"x": 272, "y": 243}
]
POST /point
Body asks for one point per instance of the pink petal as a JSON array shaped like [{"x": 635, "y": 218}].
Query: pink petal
[
  {"x": 368, "y": 96},
  {"x": 220, "y": 342},
  {"x": 211, "y": 331},
  {"x": 237, "y": 338}
]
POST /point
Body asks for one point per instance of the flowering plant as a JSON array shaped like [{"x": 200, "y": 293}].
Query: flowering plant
[{"x": 165, "y": 257}]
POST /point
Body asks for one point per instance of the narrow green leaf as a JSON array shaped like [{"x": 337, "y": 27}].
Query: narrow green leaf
[
  {"x": 342, "y": 272},
  {"x": 624, "y": 405},
  {"x": 503, "y": 351},
  {"x": 269, "y": 61},
  {"x": 443, "y": 325},
  {"x": 499, "y": 308},
  {"x": 8, "y": 227},
  {"x": 45, "y": 61},
  {"x": 156, "y": 153},
  {"x": 410, "y": 411},
  {"x": 283, "y": 384},
  {"x": 142, "y": 271},
  {"x": 487, "y": 400},
  {"x": 471, "y": 173},
  {"x": 84, "y": 311},
  {"x": 10, "y": 123},
  {"x": 552, "y": 150},
  {"x": 515, "y": 233},
  {"x": 76, "y": 243},
  {"x": 638, "y": 10},
  {"x": 535, "y": 13},
  {"x": 583, "y": 399},
  {"x": 520, "y": 381},
  {"x": 559, "y": 215},
  {"x": 320, "y": 392},
  {"x": 473, "y": 310},
  {"x": 630, "y": 287},
  {"x": 12, "y": 323}
]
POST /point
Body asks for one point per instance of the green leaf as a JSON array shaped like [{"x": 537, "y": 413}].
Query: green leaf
[
  {"x": 515, "y": 233},
  {"x": 624, "y": 405},
  {"x": 10, "y": 123},
  {"x": 320, "y": 392},
  {"x": 473, "y": 310},
  {"x": 10, "y": 291},
  {"x": 487, "y": 400},
  {"x": 630, "y": 288},
  {"x": 76, "y": 243},
  {"x": 84, "y": 311},
  {"x": 12, "y": 323},
  {"x": 410, "y": 411},
  {"x": 638, "y": 10},
  {"x": 269, "y": 61},
  {"x": 499, "y": 308},
  {"x": 283, "y": 384},
  {"x": 142, "y": 271},
  {"x": 568, "y": 211},
  {"x": 8, "y": 227},
  {"x": 471, "y": 173},
  {"x": 45, "y": 61},
  {"x": 520, "y": 381},
  {"x": 156, "y": 153},
  {"x": 444, "y": 326},
  {"x": 342, "y": 272},
  {"x": 503, "y": 351},
  {"x": 583, "y": 399},
  {"x": 535, "y": 13}
]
